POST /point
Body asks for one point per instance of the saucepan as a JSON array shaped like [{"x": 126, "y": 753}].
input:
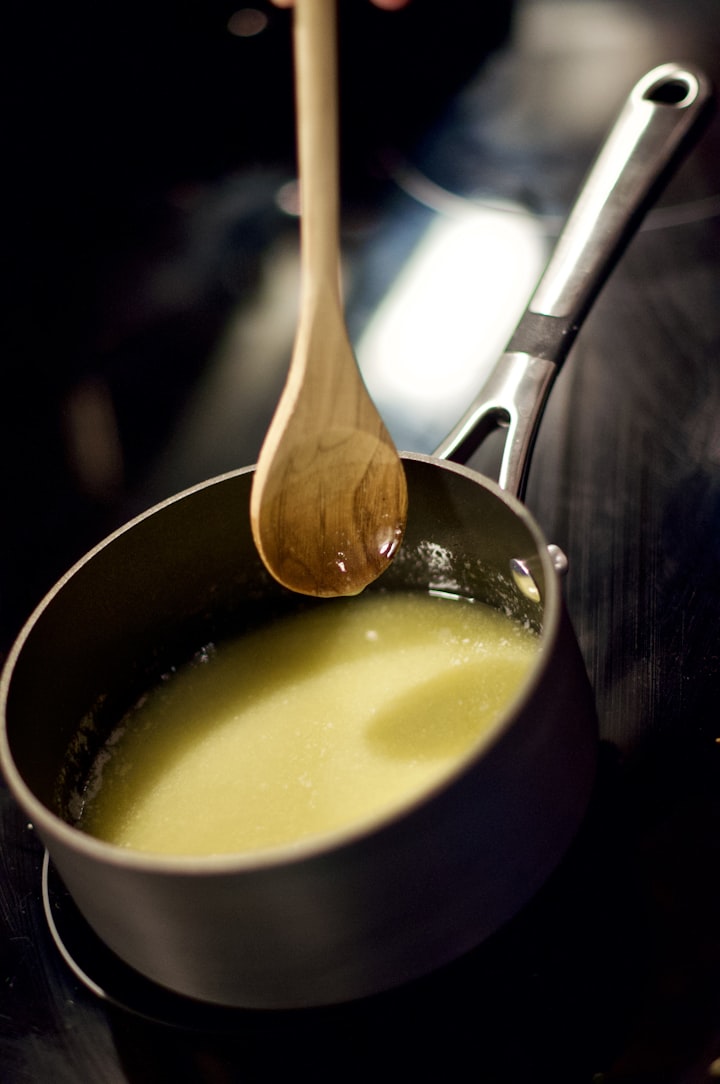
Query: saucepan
[{"x": 359, "y": 911}]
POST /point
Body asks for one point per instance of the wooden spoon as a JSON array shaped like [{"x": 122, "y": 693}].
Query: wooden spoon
[{"x": 329, "y": 499}]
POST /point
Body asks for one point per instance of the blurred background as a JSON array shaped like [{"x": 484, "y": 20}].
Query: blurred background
[
  {"x": 151, "y": 234},
  {"x": 150, "y": 239}
]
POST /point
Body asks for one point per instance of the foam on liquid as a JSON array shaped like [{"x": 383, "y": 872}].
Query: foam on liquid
[{"x": 317, "y": 722}]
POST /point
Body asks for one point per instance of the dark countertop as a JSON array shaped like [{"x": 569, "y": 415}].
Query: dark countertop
[{"x": 143, "y": 345}]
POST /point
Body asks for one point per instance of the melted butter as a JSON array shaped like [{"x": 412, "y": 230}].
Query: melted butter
[{"x": 317, "y": 722}]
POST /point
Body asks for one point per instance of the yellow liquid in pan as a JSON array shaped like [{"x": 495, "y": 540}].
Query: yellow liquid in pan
[{"x": 317, "y": 722}]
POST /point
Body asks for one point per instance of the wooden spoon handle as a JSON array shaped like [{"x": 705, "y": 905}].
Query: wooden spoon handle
[
  {"x": 315, "y": 30},
  {"x": 329, "y": 498}
]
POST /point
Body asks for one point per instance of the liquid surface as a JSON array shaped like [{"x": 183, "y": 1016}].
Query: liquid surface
[{"x": 317, "y": 722}]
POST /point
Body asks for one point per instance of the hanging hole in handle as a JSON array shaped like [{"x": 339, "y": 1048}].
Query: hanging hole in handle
[{"x": 674, "y": 90}]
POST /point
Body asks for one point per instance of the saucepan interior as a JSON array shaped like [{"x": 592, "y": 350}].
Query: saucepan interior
[{"x": 187, "y": 574}]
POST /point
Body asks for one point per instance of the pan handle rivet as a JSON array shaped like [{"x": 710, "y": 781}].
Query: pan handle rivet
[{"x": 558, "y": 558}]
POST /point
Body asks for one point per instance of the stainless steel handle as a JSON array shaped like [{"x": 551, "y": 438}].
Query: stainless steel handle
[{"x": 663, "y": 111}]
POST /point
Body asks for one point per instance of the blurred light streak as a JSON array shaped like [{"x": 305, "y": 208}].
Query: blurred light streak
[
  {"x": 448, "y": 316},
  {"x": 247, "y": 22},
  {"x": 92, "y": 438}
]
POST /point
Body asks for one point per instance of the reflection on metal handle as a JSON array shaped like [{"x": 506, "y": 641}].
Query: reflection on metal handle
[{"x": 651, "y": 133}]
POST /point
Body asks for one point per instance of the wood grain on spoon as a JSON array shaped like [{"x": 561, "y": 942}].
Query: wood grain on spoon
[{"x": 329, "y": 499}]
